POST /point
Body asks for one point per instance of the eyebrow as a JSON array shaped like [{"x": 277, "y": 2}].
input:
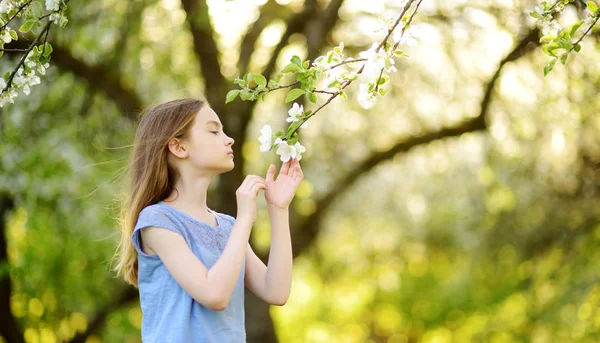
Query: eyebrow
[{"x": 214, "y": 122}]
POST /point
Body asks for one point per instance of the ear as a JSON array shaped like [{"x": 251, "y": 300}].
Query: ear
[{"x": 177, "y": 148}]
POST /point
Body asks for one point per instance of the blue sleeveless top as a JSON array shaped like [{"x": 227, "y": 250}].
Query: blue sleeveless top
[{"x": 169, "y": 313}]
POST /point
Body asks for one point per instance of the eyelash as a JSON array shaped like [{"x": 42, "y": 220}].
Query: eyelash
[{"x": 217, "y": 132}]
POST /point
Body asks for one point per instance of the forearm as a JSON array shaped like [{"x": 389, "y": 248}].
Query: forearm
[
  {"x": 278, "y": 279},
  {"x": 225, "y": 272}
]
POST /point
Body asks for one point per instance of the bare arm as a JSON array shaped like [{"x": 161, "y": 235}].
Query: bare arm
[
  {"x": 272, "y": 283},
  {"x": 211, "y": 288}
]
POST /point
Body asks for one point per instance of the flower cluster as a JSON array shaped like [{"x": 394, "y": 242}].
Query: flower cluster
[
  {"x": 25, "y": 76},
  {"x": 285, "y": 150},
  {"x": 558, "y": 41},
  {"x": 36, "y": 56},
  {"x": 337, "y": 72}
]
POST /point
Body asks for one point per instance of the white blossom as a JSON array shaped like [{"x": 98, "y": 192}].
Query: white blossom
[
  {"x": 5, "y": 35},
  {"x": 287, "y": 152},
  {"x": 265, "y": 138},
  {"x": 408, "y": 38},
  {"x": 299, "y": 150},
  {"x": 55, "y": 18},
  {"x": 551, "y": 27},
  {"x": 365, "y": 98},
  {"x": 52, "y": 5},
  {"x": 377, "y": 60},
  {"x": 295, "y": 113},
  {"x": 284, "y": 150}
]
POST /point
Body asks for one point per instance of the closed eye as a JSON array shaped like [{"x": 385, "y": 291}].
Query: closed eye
[{"x": 216, "y": 132}]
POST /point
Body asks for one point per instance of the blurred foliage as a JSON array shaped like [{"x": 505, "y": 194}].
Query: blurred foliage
[{"x": 488, "y": 237}]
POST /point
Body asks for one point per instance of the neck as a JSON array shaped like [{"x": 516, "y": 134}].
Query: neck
[{"x": 190, "y": 193}]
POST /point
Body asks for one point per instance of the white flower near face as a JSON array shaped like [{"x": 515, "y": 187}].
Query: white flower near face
[
  {"x": 265, "y": 138},
  {"x": 365, "y": 98},
  {"x": 2, "y": 83},
  {"x": 285, "y": 151},
  {"x": 551, "y": 27},
  {"x": 295, "y": 113},
  {"x": 299, "y": 150}
]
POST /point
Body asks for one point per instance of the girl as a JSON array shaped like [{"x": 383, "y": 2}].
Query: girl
[{"x": 191, "y": 263}]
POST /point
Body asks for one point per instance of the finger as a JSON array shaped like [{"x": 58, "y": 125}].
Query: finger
[
  {"x": 285, "y": 168},
  {"x": 270, "y": 173},
  {"x": 299, "y": 172},
  {"x": 257, "y": 187}
]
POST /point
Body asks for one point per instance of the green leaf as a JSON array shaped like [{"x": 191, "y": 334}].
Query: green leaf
[
  {"x": 63, "y": 22},
  {"x": 563, "y": 58},
  {"x": 592, "y": 7},
  {"x": 260, "y": 80},
  {"x": 294, "y": 94},
  {"x": 383, "y": 80},
  {"x": 399, "y": 53},
  {"x": 575, "y": 26},
  {"x": 278, "y": 77},
  {"x": 38, "y": 9},
  {"x": 13, "y": 34},
  {"x": 272, "y": 84},
  {"x": 549, "y": 67},
  {"x": 297, "y": 61},
  {"x": 291, "y": 68},
  {"x": 232, "y": 95},
  {"x": 577, "y": 47},
  {"x": 343, "y": 95},
  {"x": 547, "y": 38},
  {"x": 6, "y": 75},
  {"x": 245, "y": 95},
  {"x": 312, "y": 97},
  {"x": 47, "y": 49},
  {"x": 26, "y": 27},
  {"x": 382, "y": 91}
]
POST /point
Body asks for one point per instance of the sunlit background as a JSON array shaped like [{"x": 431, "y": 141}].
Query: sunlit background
[{"x": 488, "y": 233}]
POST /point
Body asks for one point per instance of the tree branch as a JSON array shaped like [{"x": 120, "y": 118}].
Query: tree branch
[
  {"x": 268, "y": 12},
  {"x": 100, "y": 77},
  {"x": 308, "y": 231},
  {"x": 205, "y": 48},
  {"x": 9, "y": 327}
]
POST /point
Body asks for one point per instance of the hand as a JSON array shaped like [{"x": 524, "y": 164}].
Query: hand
[
  {"x": 246, "y": 197},
  {"x": 280, "y": 192}
]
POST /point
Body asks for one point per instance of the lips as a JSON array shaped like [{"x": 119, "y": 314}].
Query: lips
[{"x": 230, "y": 153}]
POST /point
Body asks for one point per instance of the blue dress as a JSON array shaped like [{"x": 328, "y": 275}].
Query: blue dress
[{"x": 169, "y": 313}]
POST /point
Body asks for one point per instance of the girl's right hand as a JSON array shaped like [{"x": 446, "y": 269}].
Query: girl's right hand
[{"x": 246, "y": 196}]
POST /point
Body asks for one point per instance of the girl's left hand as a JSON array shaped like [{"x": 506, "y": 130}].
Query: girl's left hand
[{"x": 280, "y": 192}]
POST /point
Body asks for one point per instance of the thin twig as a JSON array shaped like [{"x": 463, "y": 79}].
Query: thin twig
[
  {"x": 346, "y": 62},
  {"x": 585, "y": 33},
  {"x": 12, "y": 75},
  {"x": 347, "y": 82},
  {"x": 281, "y": 87},
  {"x": 15, "y": 15}
]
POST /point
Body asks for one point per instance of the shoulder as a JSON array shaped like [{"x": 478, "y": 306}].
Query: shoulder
[{"x": 154, "y": 215}]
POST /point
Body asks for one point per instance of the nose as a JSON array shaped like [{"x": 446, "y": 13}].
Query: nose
[{"x": 230, "y": 141}]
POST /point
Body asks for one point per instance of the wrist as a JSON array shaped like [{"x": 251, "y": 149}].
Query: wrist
[{"x": 273, "y": 208}]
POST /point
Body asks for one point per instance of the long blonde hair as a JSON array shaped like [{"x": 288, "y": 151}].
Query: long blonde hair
[{"x": 151, "y": 178}]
